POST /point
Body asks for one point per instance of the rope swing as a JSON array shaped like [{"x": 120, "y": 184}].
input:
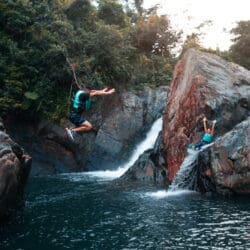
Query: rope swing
[{"x": 72, "y": 66}]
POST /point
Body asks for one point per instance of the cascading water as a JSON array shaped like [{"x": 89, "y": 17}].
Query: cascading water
[
  {"x": 183, "y": 180},
  {"x": 183, "y": 177},
  {"x": 186, "y": 179},
  {"x": 146, "y": 144},
  {"x": 187, "y": 174}
]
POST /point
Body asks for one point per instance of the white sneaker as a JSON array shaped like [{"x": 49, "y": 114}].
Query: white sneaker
[{"x": 70, "y": 134}]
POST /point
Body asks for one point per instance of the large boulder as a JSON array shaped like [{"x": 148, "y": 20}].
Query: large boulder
[
  {"x": 15, "y": 166},
  {"x": 230, "y": 160},
  {"x": 222, "y": 167},
  {"x": 203, "y": 85}
]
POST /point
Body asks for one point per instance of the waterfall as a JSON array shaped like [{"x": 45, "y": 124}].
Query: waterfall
[
  {"x": 186, "y": 177},
  {"x": 146, "y": 144}
]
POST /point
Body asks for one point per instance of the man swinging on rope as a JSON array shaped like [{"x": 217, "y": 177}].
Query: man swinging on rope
[{"x": 82, "y": 101}]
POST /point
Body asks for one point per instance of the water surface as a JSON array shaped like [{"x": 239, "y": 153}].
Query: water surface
[
  {"x": 90, "y": 211},
  {"x": 76, "y": 211}
]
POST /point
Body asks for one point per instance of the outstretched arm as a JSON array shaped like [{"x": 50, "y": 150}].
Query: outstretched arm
[
  {"x": 214, "y": 122},
  {"x": 205, "y": 124},
  {"x": 104, "y": 91}
]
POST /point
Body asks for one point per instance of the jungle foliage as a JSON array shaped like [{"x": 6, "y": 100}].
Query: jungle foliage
[
  {"x": 240, "y": 50},
  {"x": 44, "y": 42}
]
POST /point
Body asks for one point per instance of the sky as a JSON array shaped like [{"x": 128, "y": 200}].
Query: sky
[{"x": 188, "y": 14}]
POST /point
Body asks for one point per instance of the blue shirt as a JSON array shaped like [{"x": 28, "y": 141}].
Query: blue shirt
[{"x": 207, "y": 137}]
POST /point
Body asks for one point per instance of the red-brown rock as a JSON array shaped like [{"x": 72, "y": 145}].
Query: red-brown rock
[{"x": 203, "y": 85}]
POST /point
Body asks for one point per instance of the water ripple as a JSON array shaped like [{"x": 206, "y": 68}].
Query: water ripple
[{"x": 62, "y": 215}]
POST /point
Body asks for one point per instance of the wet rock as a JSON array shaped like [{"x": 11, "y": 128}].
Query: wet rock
[
  {"x": 195, "y": 173},
  {"x": 120, "y": 120},
  {"x": 230, "y": 160},
  {"x": 46, "y": 142},
  {"x": 203, "y": 85},
  {"x": 149, "y": 168},
  {"x": 124, "y": 126},
  {"x": 224, "y": 167},
  {"x": 15, "y": 167}
]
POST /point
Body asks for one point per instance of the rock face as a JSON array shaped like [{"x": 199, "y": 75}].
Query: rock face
[
  {"x": 203, "y": 85},
  {"x": 121, "y": 128},
  {"x": 149, "y": 168},
  {"x": 119, "y": 121},
  {"x": 222, "y": 168},
  {"x": 15, "y": 166},
  {"x": 50, "y": 150},
  {"x": 230, "y": 160}
]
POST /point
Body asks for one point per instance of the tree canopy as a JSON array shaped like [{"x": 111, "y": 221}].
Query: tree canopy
[
  {"x": 240, "y": 50},
  {"x": 44, "y": 42}
]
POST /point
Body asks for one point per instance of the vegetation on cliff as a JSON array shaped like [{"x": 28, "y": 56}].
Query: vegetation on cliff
[
  {"x": 240, "y": 50},
  {"x": 109, "y": 43},
  {"x": 43, "y": 42}
]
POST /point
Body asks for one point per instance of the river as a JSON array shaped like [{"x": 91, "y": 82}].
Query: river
[
  {"x": 75, "y": 211},
  {"x": 91, "y": 211}
]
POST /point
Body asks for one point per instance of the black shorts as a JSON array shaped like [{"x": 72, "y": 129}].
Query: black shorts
[{"x": 76, "y": 118}]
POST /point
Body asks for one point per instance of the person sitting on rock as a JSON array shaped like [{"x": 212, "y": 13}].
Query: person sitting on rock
[
  {"x": 207, "y": 137},
  {"x": 82, "y": 101}
]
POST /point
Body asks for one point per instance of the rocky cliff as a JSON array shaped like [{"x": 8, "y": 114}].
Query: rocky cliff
[
  {"x": 125, "y": 124},
  {"x": 120, "y": 120},
  {"x": 206, "y": 85},
  {"x": 15, "y": 166},
  {"x": 230, "y": 160},
  {"x": 222, "y": 167}
]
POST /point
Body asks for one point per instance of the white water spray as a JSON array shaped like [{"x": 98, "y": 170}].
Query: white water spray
[
  {"x": 163, "y": 193},
  {"x": 184, "y": 177},
  {"x": 184, "y": 170},
  {"x": 146, "y": 144},
  {"x": 176, "y": 188}
]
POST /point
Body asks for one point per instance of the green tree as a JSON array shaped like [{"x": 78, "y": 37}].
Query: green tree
[
  {"x": 240, "y": 50},
  {"x": 192, "y": 41},
  {"x": 112, "y": 13},
  {"x": 153, "y": 34},
  {"x": 81, "y": 13},
  {"x": 31, "y": 57},
  {"x": 108, "y": 51},
  {"x": 138, "y": 6},
  {"x": 46, "y": 45}
]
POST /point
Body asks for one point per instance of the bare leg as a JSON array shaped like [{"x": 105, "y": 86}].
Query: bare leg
[{"x": 84, "y": 127}]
